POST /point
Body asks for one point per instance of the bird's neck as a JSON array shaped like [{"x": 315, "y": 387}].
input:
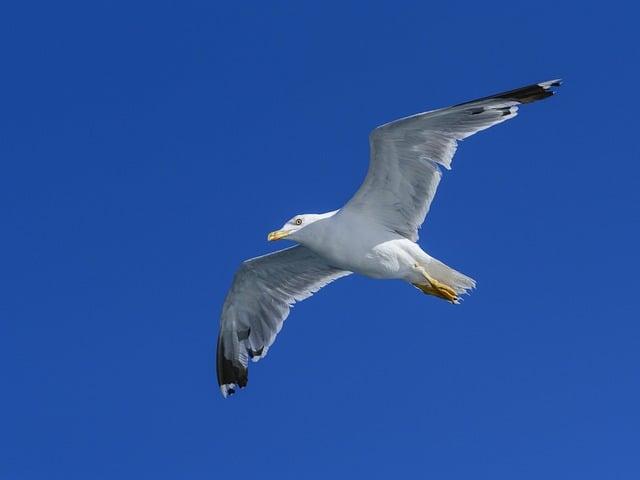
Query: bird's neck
[{"x": 314, "y": 235}]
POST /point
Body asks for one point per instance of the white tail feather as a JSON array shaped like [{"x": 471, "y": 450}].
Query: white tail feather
[{"x": 450, "y": 277}]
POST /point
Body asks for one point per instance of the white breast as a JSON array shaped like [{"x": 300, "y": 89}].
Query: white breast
[{"x": 355, "y": 244}]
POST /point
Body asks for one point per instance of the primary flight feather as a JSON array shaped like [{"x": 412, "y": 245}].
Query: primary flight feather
[{"x": 374, "y": 234}]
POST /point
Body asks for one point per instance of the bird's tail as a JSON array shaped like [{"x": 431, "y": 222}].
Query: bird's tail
[{"x": 459, "y": 282}]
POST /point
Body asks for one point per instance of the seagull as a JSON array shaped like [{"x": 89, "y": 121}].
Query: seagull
[{"x": 374, "y": 234}]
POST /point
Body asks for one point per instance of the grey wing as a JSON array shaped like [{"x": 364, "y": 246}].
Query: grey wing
[
  {"x": 406, "y": 156},
  {"x": 262, "y": 293}
]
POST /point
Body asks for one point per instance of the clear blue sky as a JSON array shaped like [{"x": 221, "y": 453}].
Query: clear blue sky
[{"x": 147, "y": 148}]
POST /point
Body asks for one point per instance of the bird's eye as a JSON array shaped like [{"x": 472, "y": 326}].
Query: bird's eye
[{"x": 298, "y": 221}]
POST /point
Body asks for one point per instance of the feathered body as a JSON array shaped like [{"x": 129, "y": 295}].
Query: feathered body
[
  {"x": 360, "y": 244},
  {"x": 374, "y": 234}
]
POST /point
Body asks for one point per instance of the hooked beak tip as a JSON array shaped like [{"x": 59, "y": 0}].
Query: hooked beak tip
[{"x": 277, "y": 235}]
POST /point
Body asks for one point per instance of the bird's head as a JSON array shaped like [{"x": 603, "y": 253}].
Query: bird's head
[{"x": 292, "y": 230}]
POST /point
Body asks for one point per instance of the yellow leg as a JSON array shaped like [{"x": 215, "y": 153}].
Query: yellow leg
[{"x": 436, "y": 288}]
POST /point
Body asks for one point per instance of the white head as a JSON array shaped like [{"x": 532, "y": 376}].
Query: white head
[{"x": 294, "y": 228}]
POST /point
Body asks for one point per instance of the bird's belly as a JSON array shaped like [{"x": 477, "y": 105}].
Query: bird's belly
[{"x": 386, "y": 259}]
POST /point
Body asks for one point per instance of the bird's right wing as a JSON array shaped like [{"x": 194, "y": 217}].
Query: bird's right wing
[
  {"x": 406, "y": 155},
  {"x": 263, "y": 291}
]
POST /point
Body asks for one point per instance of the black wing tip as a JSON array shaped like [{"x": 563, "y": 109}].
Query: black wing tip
[
  {"x": 232, "y": 374},
  {"x": 528, "y": 94},
  {"x": 531, "y": 93}
]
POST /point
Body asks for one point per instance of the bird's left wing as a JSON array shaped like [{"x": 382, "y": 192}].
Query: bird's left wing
[
  {"x": 263, "y": 291},
  {"x": 406, "y": 155}
]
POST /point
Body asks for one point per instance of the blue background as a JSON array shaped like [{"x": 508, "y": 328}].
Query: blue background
[{"x": 148, "y": 147}]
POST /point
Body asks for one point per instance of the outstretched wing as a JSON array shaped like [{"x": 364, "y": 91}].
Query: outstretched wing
[
  {"x": 263, "y": 291},
  {"x": 406, "y": 155}
]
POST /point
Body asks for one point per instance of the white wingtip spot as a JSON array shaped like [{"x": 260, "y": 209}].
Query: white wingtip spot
[
  {"x": 228, "y": 389},
  {"x": 551, "y": 83}
]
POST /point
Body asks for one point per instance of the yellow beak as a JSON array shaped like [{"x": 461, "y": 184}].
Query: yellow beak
[{"x": 278, "y": 234}]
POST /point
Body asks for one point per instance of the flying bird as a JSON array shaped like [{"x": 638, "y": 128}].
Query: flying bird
[{"x": 374, "y": 234}]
